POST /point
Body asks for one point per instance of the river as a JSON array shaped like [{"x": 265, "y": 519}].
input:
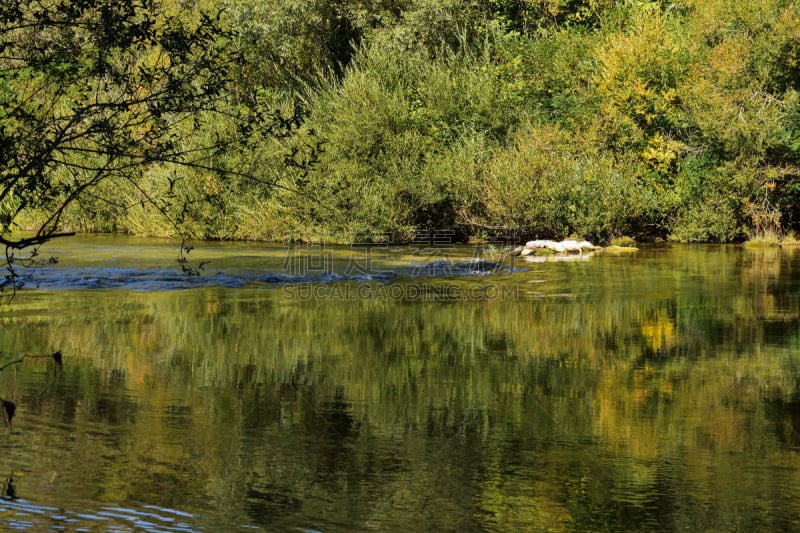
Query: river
[{"x": 399, "y": 388}]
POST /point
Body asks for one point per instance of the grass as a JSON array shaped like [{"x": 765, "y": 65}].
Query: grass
[
  {"x": 623, "y": 242},
  {"x": 790, "y": 239},
  {"x": 764, "y": 238},
  {"x": 619, "y": 250}
]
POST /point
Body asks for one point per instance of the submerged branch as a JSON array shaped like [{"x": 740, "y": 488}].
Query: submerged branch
[
  {"x": 57, "y": 357},
  {"x": 27, "y": 242}
]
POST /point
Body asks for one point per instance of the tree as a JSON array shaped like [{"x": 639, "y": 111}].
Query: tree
[{"x": 93, "y": 92}]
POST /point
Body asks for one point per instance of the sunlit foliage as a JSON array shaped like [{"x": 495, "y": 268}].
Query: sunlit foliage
[{"x": 690, "y": 106}]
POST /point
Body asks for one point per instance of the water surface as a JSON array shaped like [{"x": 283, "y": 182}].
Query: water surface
[{"x": 397, "y": 388}]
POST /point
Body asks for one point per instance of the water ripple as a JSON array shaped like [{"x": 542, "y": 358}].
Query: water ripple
[
  {"x": 150, "y": 279},
  {"x": 23, "y": 515}
]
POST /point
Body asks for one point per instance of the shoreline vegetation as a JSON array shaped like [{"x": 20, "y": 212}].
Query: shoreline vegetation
[{"x": 662, "y": 121}]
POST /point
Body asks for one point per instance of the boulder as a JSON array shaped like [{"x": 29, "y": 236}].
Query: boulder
[{"x": 556, "y": 246}]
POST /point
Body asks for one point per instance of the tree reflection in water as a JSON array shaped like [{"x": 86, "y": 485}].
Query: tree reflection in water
[{"x": 651, "y": 392}]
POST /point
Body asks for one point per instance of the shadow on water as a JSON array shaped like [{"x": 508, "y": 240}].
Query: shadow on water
[{"x": 784, "y": 418}]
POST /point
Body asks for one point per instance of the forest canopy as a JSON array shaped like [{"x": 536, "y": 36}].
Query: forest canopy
[{"x": 313, "y": 120}]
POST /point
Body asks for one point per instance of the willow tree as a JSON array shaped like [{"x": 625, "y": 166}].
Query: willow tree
[{"x": 92, "y": 93}]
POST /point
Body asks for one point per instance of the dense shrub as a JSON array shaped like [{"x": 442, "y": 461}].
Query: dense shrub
[{"x": 601, "y": 119}]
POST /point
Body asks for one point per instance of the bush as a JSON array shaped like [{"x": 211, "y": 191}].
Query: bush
[
  {"x": 707, "y": 222},
  {"x": 623, "y": 242}
]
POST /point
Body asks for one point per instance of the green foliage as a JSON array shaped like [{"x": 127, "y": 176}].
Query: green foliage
[
  {"x": 374, "y": 117},
  {"x": 712, "y": 207},
  {"x": 92, "y": 93},
  {"x": 542, "y": 76},
  {"x": 288, "y": 43},
  {"x": 548, "y": 184},
  {"x": 528, "y": 16},
  {"x": 395, "y": 131}
]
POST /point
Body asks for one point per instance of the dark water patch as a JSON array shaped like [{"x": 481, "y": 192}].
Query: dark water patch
[
  {"x": 123, "y": 278},
  {"x": 147, "y": 279},
  {"x": 452, "y": 268},
  {"x": 326, "y": 277}
]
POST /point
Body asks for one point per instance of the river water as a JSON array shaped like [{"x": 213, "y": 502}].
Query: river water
[{"x": 434, "y": 388}]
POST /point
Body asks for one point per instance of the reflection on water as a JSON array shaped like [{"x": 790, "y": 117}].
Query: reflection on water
[{"x": 658, "y": 391}]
